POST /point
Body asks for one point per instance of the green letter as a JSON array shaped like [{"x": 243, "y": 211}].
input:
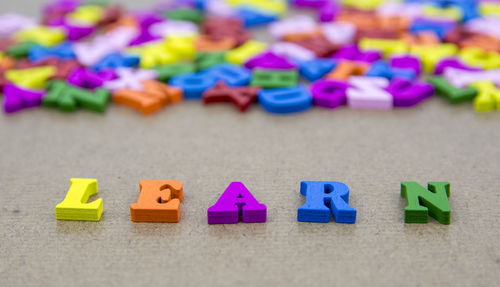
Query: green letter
[{"x": 422, "y": 202}]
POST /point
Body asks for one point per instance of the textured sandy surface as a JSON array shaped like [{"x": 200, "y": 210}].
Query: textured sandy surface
[{"x": 208, "y": 147}]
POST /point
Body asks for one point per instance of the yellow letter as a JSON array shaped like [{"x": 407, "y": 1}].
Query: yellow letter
[{"x": 75, "y": 206}]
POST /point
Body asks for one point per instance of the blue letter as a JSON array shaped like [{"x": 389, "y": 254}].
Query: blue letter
[{"x": 323, "y": 198}]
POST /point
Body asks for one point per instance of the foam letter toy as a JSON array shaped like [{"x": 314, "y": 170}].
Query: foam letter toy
[
  {"x": 430, "y": 55},
  {"x": 485, "y": 25},
  {"x": 184, "y": 14},
  {"x": 315, "y": 69},
  {"x": 205, "y": 60},
  {"x": 272, "y": 79},
  {"x": 346, "y": 69},
  {"x": 452, "y": 62},
  {"x": 154, "y": 54},
  {"x": 67, "y": 97},
  {"x": 75, "y": 206},
  {"x": 369, "y": 93},
  {"x": 130, "y": 79},
  {"x": 422, "y": 202},
  {"x": 273, "y": 6},
  {"x": 20, "y": 50},
  {"x": 32, "y": 78},
  {"x": 244, "y": 52},
  {"x": 182, "y": 46},
  {"x": 453, "y": 94},
  {"x": 205, "y": 44},
  {"x": 234, "y": 204},
  {"x": 328, "y": 11},
  {"x": 352, "y": 53},
  {"x": 476, "y": 57},
  {"x": 285, "y": 100},
  {"x": 445, "y": 13},
  {"x": 292, "y": 50},
  {"x": 441, "y": 28},
  {"x": 75, "y": 32},
  {"x": 116, "y": 60},
  {"x": 12, "y": 22},
  {"x": 254, "y": 17},
  {"x": 329, "y": 93},
  {"x": 61, "y": 51},
  {"x": 241, "y": 97},
  {"x": 406, "y": 93},
  {"x": 116, "y": 40},
  {"x": 407, "y": 62},
  {"x": 42, "y": 35},
  {"x": 295, "y": 24},
  {"x": 269, "y": 60},
  {"x": 382, "y": 69},
  {"x": 324, "y": 198},
  {"x": 232, "y": 75},
  {"x": 87, "y": 14},
  {"x": 339, "y": 32},
  {"x": 164, "y": 73},
  {"x": 218, "y": 8},
  {"x": 159, "y": 201},
  {"x": 386, "y": 46},
  {"x": 89, "y": 79},
  {"x": 461, "y": 78},
  {"x": 173, "y": 28},
  {"x": 16, "y": 98},
  {"x": 193, "y": 85},
  {"x": 153, "y": 97},
  {"x": 488, "y": 97}
]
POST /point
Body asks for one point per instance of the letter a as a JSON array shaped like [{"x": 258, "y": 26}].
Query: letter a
[
  {"x": 159, "y": 201},
  {"x": 234, "y": 204},
  {"x": 324, "y": 198},
  {"x": 75, "y": 206},
  {"x": 422, "y": 202}
]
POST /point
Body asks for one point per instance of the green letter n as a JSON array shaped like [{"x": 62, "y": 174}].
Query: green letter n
[{"x": 422, "y": 202}]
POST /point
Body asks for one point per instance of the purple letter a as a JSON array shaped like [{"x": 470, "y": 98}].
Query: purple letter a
[{"x": 234, "y": 204}]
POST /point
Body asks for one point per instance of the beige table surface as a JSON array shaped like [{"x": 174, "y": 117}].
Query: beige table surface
[{"x": 208, "y": 147}]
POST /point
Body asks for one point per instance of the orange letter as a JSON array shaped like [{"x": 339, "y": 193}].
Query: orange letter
[{"x": 159, "y": 201}]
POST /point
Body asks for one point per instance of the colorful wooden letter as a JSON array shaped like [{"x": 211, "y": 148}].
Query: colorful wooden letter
[
  {"x": 329, "y": 93},
  {"x": 488, "y": 96},
  {"x": 285, "y": 100},
  {"x": 241, "y": 97},
  {"x": 272, "y": 79},
  {"x": 159, "y": 201},
  {"x": 153, "y": 97},
  {"x": 453, "y": 94},
  {"x": 406, "y": 93},
  {"x": 422, "y": 202},
  {"x": 75, "y": 206},
  {"x": 369, "y": 93},
  {"x": 234, "y": 204},
  {"x": 67, "y": 97},
  {"x": 323, "y": 198},
  {"x": 31, "y": 78},
  {"x": 16, "y": 98}
]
